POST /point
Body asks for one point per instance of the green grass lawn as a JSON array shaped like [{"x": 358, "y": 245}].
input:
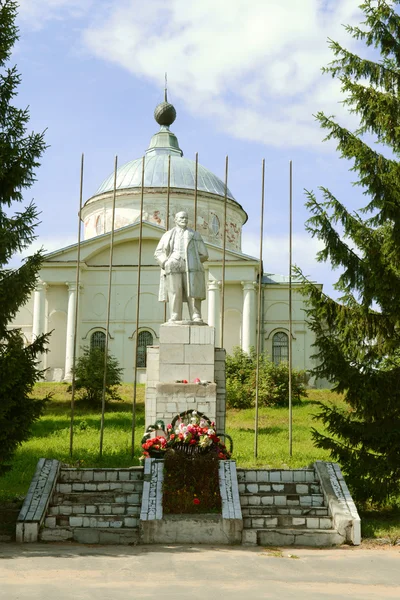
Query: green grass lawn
[{"x": 51, "y": 435}]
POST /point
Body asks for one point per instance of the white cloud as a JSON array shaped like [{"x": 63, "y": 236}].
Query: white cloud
[
  {"x": 255, "y": 66},
  {"x": 37, "y": 12}
]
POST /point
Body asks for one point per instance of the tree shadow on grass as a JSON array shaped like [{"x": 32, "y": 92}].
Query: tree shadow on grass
[
  {"x": 381, "y": 523},
  {"x": 261, "y": 430}
]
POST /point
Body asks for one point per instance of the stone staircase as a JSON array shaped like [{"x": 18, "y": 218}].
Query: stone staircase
[
  {"x": 95, "y": 506},
  {"x": 285, "y": 508}
]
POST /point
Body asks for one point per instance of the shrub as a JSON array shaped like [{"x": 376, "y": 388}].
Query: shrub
[
  {"x": 273, "y": 386},
  {"x": 89, "y": 375}
]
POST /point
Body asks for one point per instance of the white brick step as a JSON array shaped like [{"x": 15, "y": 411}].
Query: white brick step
[
  {"x": 286, "y": 488},
  {"x": 101, "y": 508},
  {"x": 287, "y": 521},
  {"x": 85, "y": 535},
  {"x": 91, "y": 475},
  {"x": 92, "y": 521},
  {"x": 277, "y": 476},
  {"x": 279, "y": 499},
  {"x": 99, "y": 486},
  {"x": 293, "y": 537},
  {"x": 318, "y": 511},
  {"x": 90, "y": 498}
]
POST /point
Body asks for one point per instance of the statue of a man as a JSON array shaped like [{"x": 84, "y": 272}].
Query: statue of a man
[{"x": 180, "y": 254}]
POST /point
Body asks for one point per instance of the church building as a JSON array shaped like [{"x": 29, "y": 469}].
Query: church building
[{"x": 52, "y": 305}]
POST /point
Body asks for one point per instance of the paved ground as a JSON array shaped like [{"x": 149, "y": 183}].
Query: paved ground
[{"x": 66, "y": 572}]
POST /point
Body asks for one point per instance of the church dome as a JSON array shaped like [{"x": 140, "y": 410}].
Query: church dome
[
  {"x": 129, "y": 175},
  {"x": 162, "y": 145}
]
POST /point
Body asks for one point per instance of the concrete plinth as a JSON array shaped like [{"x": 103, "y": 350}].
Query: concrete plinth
[{"x": 186, "y": 352}]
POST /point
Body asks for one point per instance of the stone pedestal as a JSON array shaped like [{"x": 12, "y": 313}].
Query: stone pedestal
[{"x": 185, "y": 352}]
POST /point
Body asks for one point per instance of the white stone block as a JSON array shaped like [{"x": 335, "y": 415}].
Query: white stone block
[
  {"x": 301, "y": 488},
  {"x": 267, "y": 500},
  {"x": 280, "y": 500},
  {"x": 198, "y": 354},
  {"x": 254, "y": 500},
  {"x": 250, "y": 476},
  {"x": 172, "y": 373},
  {"x": 275, "y": 476},
  {"x": 257, "y": 523},
  {"x": 264, "y": 487},
  {"x": 262, "y": 475},
  {"x": 312, "y": 523},
  {"x": 298, "y": 521},
  {"x": 252, "y": 487},
  {"x": 299, "y": 475},
  {"x": 305, "y": 500},
  {"x": 200, "y": 371},
  {"x": 174, "y": 334},
  {"x": 278, "y": 487},
  {"x": 172, "y": 353},
  {"x": 325, "y": 523},
  {"x": 202, "y": 335},
  {"x": 287, "y": 476}
]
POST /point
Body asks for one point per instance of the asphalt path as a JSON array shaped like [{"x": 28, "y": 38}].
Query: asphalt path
[{"x": 83, "y": 572}]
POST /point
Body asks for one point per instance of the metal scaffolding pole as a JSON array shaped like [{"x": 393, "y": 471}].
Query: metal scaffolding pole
[
  {"x": 290, "y": 306},
  {"x": 259, "y": 311},
  {"x": 167, "y": 218},
  {"x": 139, "y": 272},
  {"x": 224, "y": 255},
  {"x": 196, "y": 175},
  {"x": 78, "y": 259},
  {"x": 103, "y": 397}
]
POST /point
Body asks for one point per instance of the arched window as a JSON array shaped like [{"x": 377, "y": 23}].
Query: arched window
[
  {"x": 145, "y": 339},
  {"x": 280, "y": 348},
  {"x": 98, "y": 340}
]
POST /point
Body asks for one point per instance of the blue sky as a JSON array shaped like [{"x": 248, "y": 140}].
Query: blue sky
[{"x": 245, "y": 78}]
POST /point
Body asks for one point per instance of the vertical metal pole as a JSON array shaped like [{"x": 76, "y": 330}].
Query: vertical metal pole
[
  {"x": 167, "y": 218},
  {"x": 139, "y": 272},
  {"x": 259, "y": 312},
  {"x": 103, "y": 397},
  {"x": 196, "y": 175},
  {"x": 78, "y": 259},
  {"x": 224, "y": 256},
  {"x": 290, "y": 305}
]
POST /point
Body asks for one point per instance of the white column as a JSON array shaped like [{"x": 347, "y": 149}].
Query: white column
[
  {"x": 38, "y": 324},
  {"x": 214, "y": 308},
  {"x": 249, "y": 315},
  {"x": 69, "y": 346}
]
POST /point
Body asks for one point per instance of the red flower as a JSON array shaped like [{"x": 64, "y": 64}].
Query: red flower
[{"x": 196, "y": 501}]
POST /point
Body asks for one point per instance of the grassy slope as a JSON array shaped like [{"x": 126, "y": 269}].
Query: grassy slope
[{"x": 50, "y": 439}]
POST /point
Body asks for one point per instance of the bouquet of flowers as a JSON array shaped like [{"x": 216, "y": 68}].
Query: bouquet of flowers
[{"x": 189, "y": 432}]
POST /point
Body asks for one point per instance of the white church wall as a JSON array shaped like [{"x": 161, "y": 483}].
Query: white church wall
[{"x": 97, "y": 213}]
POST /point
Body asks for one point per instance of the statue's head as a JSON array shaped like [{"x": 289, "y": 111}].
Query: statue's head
[{"x": 181, "y": 219}]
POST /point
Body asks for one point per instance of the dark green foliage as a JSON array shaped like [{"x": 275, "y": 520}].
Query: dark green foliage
[
  {"x": 89, "y": 374},
  {"x": 191, "y": 483},
  {"x": 19, "y": 157},
  {"x": 273, "y": 381},
  {"x": 358, "y": 337}
]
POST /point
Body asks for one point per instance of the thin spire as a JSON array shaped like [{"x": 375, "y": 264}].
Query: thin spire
[{"x": 165, "y": 88}]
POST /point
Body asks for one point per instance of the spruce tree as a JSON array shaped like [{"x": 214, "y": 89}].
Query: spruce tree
[
  {"x": 358, "y": 336},
  {"x": 19, "y": 155}
]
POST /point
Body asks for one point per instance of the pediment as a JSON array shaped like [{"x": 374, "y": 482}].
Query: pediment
[{"x": 96, "y": 251}]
